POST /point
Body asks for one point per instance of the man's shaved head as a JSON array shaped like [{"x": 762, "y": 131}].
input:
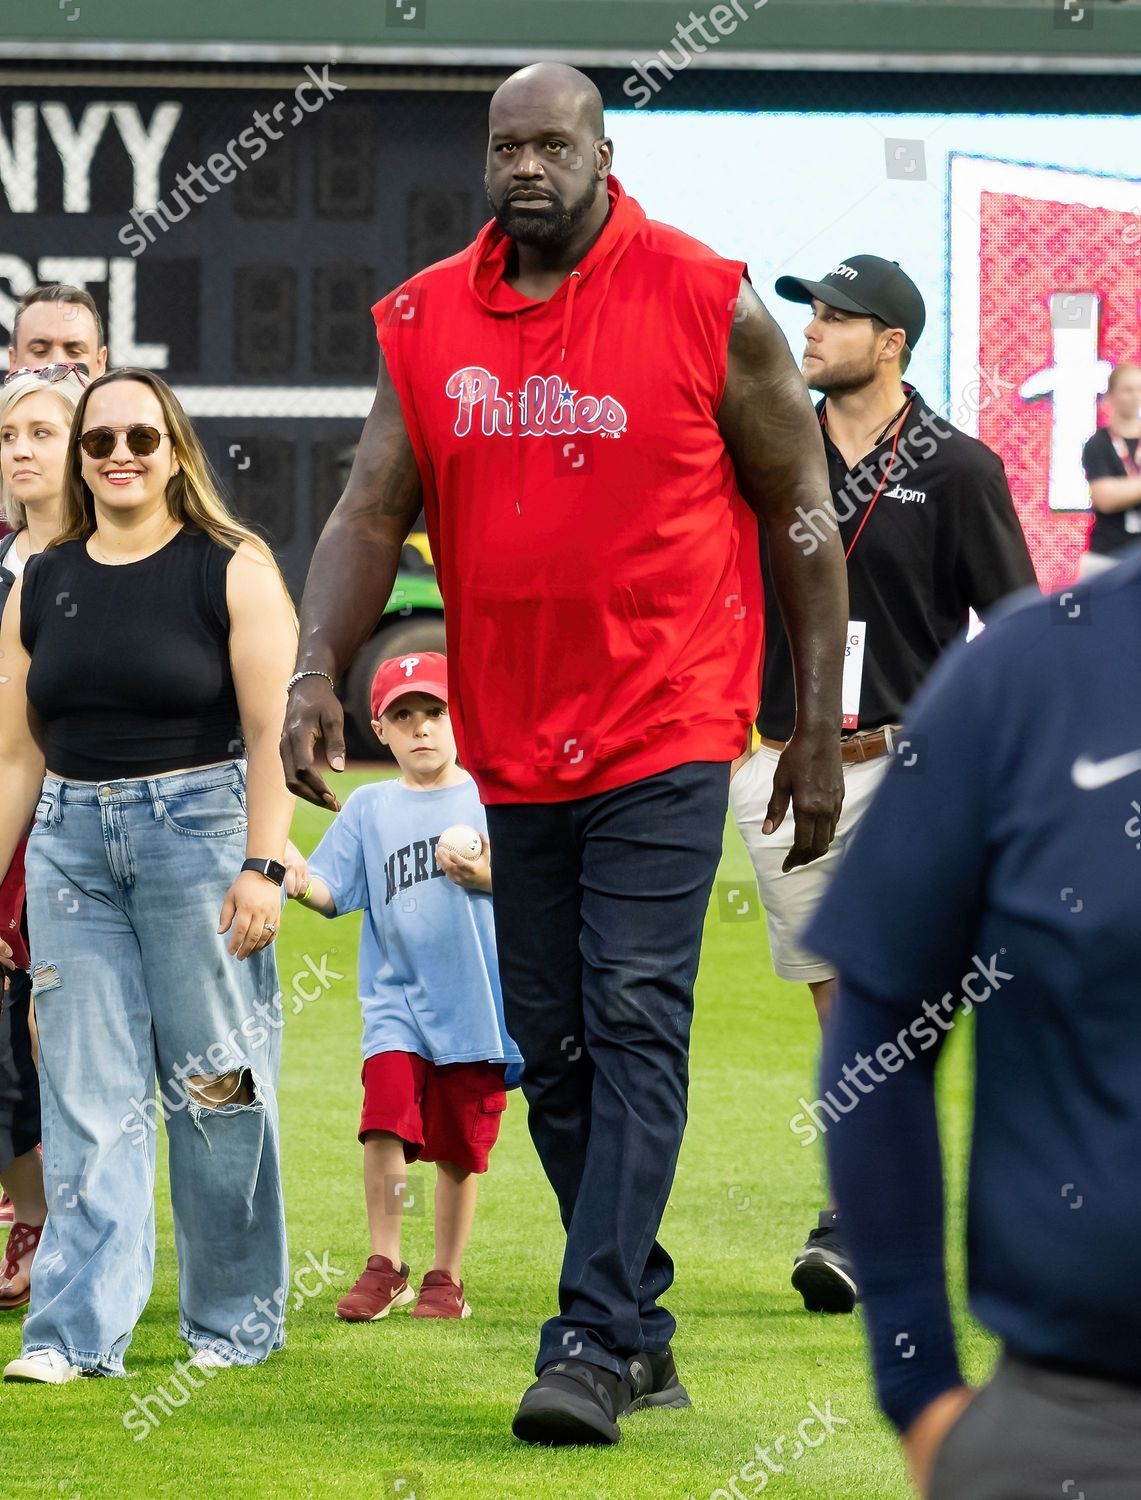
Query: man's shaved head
[
  {"x": 557, "y": 87},
  {"x": 547, "y": 157}
]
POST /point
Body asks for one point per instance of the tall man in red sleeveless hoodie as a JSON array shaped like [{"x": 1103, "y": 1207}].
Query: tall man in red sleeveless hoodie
[{"x": 594, "y": 410}]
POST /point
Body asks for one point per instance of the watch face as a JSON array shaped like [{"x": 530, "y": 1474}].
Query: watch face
[{"x": 275, "y": 871}]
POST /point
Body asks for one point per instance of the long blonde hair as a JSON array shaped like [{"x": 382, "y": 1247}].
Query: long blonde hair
[
  {"x": 193, "y": 495},
  {"x": 67, "y": 393}
]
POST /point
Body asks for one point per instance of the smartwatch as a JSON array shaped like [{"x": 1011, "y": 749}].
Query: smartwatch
[{"x": 270, "y": 868}]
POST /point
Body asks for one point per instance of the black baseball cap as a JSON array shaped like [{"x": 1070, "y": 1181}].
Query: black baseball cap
[{"x": 865, "y": 284}]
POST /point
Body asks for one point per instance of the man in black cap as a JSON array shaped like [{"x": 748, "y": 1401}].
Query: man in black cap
[{"x": 929, "y": 532}]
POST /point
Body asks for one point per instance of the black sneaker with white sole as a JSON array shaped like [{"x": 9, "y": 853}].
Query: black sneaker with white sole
[
  {"x": 654, "y": 1381},
  {"x": 572, "y": 1401},
  {"x": 822, "y": 1273}
]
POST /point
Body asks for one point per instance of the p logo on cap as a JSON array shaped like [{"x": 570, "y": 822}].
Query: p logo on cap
[{"x": 426, "y": 673}]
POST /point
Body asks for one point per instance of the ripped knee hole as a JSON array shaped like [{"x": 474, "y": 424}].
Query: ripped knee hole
[{"x": 217, "y": 1089}]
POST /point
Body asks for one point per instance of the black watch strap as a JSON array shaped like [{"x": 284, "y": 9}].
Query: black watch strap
[{"x": 270, "y": 868}]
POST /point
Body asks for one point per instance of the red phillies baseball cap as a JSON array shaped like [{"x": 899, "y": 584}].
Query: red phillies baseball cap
[{"x": 423, "y": 672}]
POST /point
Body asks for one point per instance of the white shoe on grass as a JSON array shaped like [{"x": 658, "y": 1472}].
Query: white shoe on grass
[
  {"x": 46, "y": 1366},
  {"x": 209, "y": 1359}
]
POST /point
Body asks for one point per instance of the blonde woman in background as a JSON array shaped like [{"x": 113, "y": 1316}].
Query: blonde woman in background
[
  {"x": 146, "y": 653},
  {"x": 36, "y": 409}
]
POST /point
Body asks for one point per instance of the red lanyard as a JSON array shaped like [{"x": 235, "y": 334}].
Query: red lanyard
[
  {"x": 887, "y": 470},
  {"x": 1128, "y": 462}
]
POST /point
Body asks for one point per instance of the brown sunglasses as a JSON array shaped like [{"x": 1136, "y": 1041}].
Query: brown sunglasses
[{"x": 99, "y": 442}]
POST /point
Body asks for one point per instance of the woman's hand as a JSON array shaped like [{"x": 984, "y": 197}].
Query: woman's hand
[
  {"x": 253, "y": 909},
  {"x": 296, "y": 871},
  {"x": 472, "y": 874}
]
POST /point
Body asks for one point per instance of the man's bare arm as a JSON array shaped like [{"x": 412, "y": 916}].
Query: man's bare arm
[
  {"x": 1109, "y": 495},
  {"x": 773, "y": 437},
  {"x": 350, "y": 579}
]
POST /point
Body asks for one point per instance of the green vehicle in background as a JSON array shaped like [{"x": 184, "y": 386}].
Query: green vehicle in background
[{"x": 413, "y": 621}]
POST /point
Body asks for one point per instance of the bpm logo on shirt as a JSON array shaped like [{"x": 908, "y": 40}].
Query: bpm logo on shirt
[
  {"x": 909, "y": 497},
  {"x": 545, "y": 407}
]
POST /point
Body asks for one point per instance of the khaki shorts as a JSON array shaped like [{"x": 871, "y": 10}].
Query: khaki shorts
[
  {"x": 791, "y": 899},
  {"x": 1092, "y": 563}
]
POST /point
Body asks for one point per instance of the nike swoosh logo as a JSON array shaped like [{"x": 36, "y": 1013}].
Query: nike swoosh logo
[{"x": 1089, "y": 775}]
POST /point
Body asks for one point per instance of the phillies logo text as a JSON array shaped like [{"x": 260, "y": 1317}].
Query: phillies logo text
[{"x": 545, "y": 407}]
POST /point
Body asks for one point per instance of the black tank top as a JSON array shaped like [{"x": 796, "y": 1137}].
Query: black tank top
[{"x": 130, "y": 663}]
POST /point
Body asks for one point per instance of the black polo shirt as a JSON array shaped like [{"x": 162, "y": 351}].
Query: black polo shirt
[
  {"x": 1111, "y": 533},
  {"x": 941, "y": 539}
]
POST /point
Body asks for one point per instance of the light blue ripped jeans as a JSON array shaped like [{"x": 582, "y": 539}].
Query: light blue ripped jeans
[{"x": 125, "y": 885}]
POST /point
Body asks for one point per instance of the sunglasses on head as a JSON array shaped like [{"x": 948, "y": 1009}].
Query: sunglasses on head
[
  {"x": 142, "y": 440},
  {"x": 50, "y": 373}
]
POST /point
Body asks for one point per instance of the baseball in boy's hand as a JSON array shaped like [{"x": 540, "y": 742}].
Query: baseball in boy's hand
[
  {"x": 470, "y": 869},
  {"x": 460, "y": 839}
]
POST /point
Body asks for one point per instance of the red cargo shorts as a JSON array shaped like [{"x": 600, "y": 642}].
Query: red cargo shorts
[{"x": 441, "y": 1113}]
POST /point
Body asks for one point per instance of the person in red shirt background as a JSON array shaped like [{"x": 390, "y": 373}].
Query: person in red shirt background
[{"x": 595, "y": 411}]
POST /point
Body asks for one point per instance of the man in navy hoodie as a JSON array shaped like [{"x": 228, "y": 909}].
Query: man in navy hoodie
[{"x": 1021, "y": 765}]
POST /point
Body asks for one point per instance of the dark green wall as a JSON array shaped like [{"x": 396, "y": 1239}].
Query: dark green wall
[{"x": 1021, "y": 29}]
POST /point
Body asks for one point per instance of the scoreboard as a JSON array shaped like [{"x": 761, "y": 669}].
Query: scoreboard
[{"x": 234, "y": 239}]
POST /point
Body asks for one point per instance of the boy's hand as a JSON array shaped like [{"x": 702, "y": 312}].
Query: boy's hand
[
  {"x": 296, "y": 871},
  {"x": 472, "y": 874}
]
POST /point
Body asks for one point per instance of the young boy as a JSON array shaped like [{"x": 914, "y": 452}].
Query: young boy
[{"x": 437, "y": 1054}]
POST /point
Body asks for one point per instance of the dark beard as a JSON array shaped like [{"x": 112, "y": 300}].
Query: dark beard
[
  {"x": 841, "y": 382},
  {"x": 547, "y": 231}
]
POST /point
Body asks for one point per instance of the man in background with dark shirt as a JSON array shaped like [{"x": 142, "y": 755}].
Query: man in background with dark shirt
[
  {"x": 999, "y": 870},
  {"x": 929, "y": 532},
  {"x": 1111, "y": 463}
]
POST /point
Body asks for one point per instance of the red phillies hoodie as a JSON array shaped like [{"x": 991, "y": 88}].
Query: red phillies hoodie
[{"x": 599, "y": 569}]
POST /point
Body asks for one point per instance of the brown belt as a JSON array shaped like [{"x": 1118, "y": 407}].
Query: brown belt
[{"x": 868, "y": 744}]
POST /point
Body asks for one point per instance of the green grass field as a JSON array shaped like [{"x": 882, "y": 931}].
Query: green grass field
[{"x": 400, "y": 1409}]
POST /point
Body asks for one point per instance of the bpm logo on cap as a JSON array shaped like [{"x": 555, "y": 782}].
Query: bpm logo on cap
[{"x": 849, "y": 273}]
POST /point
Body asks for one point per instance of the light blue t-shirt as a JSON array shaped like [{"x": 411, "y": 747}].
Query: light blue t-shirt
[{"x": 429, "y": 975}]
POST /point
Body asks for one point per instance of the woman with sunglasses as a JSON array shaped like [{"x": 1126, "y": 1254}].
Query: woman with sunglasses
[
  {"x": 36, "y": 408},
  {"x": 142, "y": 650}
]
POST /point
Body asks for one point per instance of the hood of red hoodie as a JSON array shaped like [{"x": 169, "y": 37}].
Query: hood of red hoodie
[{"x": 492, "y": 252}]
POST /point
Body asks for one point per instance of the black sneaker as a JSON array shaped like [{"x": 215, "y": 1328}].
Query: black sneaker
[
  {"x": 572, "y": 1401},
  {"x": 823, "y": 1274},
  {"x": 654, "y": 1382}
]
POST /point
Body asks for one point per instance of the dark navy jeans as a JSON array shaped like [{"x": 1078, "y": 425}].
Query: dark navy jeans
[{"x": 599, "y": 909}]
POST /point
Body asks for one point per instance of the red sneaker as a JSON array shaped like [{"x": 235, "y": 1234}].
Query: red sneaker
[
  {"x": 15, "y": 1280},
  {"x": 7, "y": 1212},
  {"x": 441, "y": 1297},
  {"x": 380, "y": 1288}
]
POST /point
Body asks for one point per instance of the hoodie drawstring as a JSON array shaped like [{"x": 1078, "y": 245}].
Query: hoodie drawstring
[
  {"x": 517, "y": 418},
  {"x": 517, "y": 415},
  {"x": 568, "y": 310}
]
